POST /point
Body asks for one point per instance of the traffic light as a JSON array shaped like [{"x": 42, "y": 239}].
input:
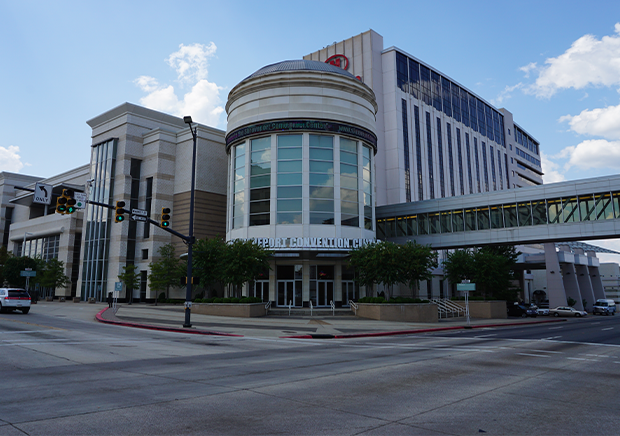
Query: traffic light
[
  {"x": 61, "y": 204},
  {"x": 165, "y": 217},
  {"x": 68, "y": 194},
  {"x": 65, "y": 204},
  {"x": 119, "y": 216}
]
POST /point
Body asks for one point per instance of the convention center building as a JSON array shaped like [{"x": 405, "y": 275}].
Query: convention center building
[{"x": 313, "y": 149}]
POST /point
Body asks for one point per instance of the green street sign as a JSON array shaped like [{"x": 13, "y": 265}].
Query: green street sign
[
  {"x": 465, "y": 286},
  {"x": 28, "y": 273}
]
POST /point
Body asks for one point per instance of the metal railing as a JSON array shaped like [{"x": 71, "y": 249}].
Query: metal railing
[
  {"x": 267, "y": 307},
  {"x": 353, "y": 306},
  {"x": 290, "y": 306},
  {"x": 331, "y": 303},
  {"x": 310, "y": 307},
  {"x": 448, "y": 308}
]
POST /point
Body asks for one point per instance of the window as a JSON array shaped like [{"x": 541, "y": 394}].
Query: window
[
  {"x": 349, "y": 203},
  {"x": 406, "y": 151},
  {"x": 367, "y": 183},
  {"x": 260, "y": 181},
  {"x": 321, "y": 180},
  {"x": 239, "y": 186},
  {"x": 145, "y": 254},
  {"x": 289, "y": 210}
]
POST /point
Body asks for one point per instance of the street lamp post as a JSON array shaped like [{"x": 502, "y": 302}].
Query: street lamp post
[{"x": 190, "y": 239}]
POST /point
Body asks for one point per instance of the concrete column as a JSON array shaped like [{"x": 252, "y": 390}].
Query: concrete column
[
  {"x": 555, "y": 284},
  {"x": 585, "y": 285},
  {"x": 571, "y": 285}
]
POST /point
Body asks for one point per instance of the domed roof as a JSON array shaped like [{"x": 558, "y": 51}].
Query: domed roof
[{"x": 300, "y": 65}]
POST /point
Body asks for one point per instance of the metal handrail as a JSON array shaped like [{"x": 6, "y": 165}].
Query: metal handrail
[
  {"x": 310, "y": 307},
  {"x": 446, "y": 307},
  {"x": 331, "y": 303},
  {"x": 290, "y": 305},
  {"x": 267, "y": 307},
  {"x": 354, "y": 306}
]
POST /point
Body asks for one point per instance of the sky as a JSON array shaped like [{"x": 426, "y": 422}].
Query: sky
[{"x": 554, "y": 64}]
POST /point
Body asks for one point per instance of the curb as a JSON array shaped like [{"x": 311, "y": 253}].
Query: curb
[
  {"x": 99, "y": 317},
  {"x": 410, "y": 332}
]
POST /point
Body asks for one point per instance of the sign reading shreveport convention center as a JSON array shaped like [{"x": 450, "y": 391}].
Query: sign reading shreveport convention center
[
  {"x": 312, "y": 243},
  {"x": 302, "y": 125}
]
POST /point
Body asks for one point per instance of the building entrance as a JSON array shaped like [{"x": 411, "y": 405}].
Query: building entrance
[
  {"x": 261, "y": 290},
  {"x": 289, "y": 285},
  {"x": 350, "y": 292}
]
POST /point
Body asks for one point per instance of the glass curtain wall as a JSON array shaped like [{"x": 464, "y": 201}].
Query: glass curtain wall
[
  {"x": 260, "y": 181},
  {"x": 367, "y": 186},
  {"x": 290, "y": 202},
  {"x": 239, "y": 187},
  {"x": 98, "y": 219},
  {"x": 349, "y": 198},
  {"x": 321, "y": 179}
]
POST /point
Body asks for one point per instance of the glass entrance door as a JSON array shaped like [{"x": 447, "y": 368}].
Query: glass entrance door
[
  {"x": 261, "y": 289},
  {"x": 289, "y": 292},
  {"x": 349, "y": 292},
  {"x": 325, "y": 292}
]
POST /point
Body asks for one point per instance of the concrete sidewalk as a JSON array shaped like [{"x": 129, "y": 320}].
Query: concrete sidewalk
[{"x": 171, "y": 318}]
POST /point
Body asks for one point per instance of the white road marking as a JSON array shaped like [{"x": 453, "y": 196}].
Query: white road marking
[
  {"x": 486, "y": 336},
  {"x": 533, "y": 355},
  {"x": 608, "y": 328},
  {"x": 580, "y": 358},
  {"x": 556, "y": 328}
]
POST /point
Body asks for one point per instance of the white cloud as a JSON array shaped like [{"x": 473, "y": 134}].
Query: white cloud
[
  {"x": 550, "y": 170},
  {"x": 527, "y": 68},
  {"x": 202, "y": 102},
  {"x": 10, "y": 160},
  {"x": 506, "y": 93},
  {"x": 603, "y": 122},
  {"x": 588, "y": 62},
  {"x": 191, "y": 61},
  {"x": 593, "y": 153}
]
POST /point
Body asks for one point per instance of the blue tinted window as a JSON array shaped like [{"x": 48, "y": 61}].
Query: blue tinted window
[
  {"x": 440, "y": 159},
  {"x": 429, "y": 150},
  {"x": 406, "y": 151},
  {"x": 418, "y": 152}
]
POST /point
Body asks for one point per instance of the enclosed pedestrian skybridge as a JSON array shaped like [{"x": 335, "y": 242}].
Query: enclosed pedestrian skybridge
[{"x": 576, "y": 210}]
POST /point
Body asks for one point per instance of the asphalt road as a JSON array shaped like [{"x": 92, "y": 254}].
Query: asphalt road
[{"x": 62, "y": 376}]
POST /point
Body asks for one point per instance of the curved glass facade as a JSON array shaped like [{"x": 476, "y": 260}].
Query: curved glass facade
[{"x": 327, "y": 176}]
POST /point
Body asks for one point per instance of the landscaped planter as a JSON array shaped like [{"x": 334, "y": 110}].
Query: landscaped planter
[
  {"x": 486, "y": 309},
  {"x": 416, "y": 312},
  {"x": 237, "y": 310}
]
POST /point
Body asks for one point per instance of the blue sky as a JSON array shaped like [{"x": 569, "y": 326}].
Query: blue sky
[{"x": 554, "y": 64}]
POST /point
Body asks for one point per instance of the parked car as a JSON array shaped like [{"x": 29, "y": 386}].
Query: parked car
[
  {"x": 604, "y": 307},
  {"x": 567, "y": 311},
  {"x": 542, "y": 311},
  {"x": 521, "y": 310},
  {"x": 14, "y": 298}
]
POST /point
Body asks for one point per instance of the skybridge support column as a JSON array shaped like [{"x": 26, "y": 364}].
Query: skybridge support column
[
  {"x": 555, "y": 285},
  {"x": 585, "y": 285},
  {"x": 595, "y": 278}
]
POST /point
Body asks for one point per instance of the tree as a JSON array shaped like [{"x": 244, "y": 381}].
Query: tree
[
  {"x": 209, "y": 258},
  {"x": 459, "y": 266},
  {"x": 131, "y": 279},
  {"x": 386, "y": 263},
  {"x": 165, "y": 272},
  {"x": 53, "y": 274},
  {"x": 490, "y": 267},
  {"x": 4, "y": 255},
  {"x": 243, "y": 262},
  {"x": 13, "y": 267},
  {"x": 418, "y": 262}
]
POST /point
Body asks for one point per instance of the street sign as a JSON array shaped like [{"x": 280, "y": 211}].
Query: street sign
[
  {"x": 139, "y": 212},
  {"x": 80, "y": 200},
  {"x": 118, "y": 286},
  {"x": 138, "y": 218},
  {"x": 465, "y": 286},
  {"x": 27, "y": 273},
  {"x": 42, "y": 194}
]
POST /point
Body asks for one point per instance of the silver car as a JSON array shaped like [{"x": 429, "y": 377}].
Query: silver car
[
  {"x": 14, "y": 298},
  {"x": 567, "y": 311}
]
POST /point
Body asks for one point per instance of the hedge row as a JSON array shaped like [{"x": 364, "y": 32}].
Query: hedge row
[{"x": 243, "y": 300}]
